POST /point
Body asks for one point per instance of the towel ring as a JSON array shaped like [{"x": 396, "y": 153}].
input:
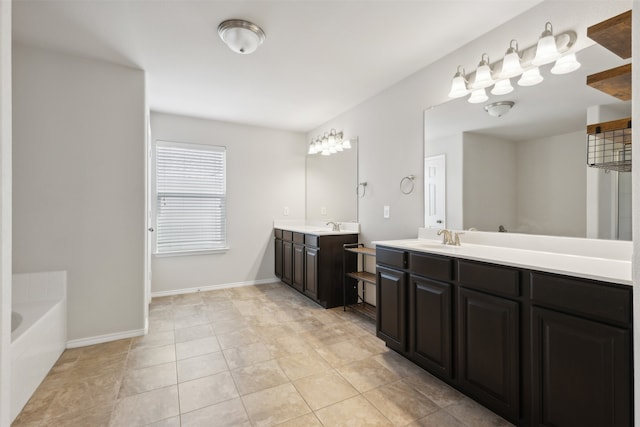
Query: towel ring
[
  {"x": 409, "y": 188},
  {"x": 364, "y": 189}
]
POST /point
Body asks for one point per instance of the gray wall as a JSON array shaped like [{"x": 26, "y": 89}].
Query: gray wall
[
  {"x": 265, "y": 173},
  {"x": 79, "y": 184}
]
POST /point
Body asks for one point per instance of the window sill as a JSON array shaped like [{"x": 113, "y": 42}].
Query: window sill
[{"x": 190, "y": 253}]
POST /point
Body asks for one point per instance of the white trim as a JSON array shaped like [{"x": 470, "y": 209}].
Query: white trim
[
  {"x": 213, "y": 287},
  {"x": 99, "y": 339},
  {"x": 190, "y": 253}
]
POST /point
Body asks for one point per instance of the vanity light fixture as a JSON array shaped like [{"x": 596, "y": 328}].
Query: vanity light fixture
[
  {"x": 546, "y": 50},
  {"x": 478, "y": 96},
  {"x": 483, "y": 74},
  {"x": 459, "y": 84},
  {"x": 565, "y": 64},
  {"x": 241, "y": 36},
  {"x": 502, "y": 87},
  {"x": 531, "y": 77},
  {"x": 499, "y": 109},
  {"x": 516, "y": 63},
  {"x": 511, "y": 66},
  {"x": 330, "y": 143}
]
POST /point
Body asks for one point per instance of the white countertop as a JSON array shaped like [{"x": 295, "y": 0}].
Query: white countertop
[
  {"x": 588, "y": 267},
  {"x": 318, "y": 228}
]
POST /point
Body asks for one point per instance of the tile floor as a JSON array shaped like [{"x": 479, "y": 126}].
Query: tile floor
[{"x": 251, "y": 356}]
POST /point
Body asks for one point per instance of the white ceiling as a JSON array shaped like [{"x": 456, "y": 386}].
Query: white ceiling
[{"x": 320, "y": 57}]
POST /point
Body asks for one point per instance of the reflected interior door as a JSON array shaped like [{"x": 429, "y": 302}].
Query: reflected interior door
[{"x": 434, "y": 191}]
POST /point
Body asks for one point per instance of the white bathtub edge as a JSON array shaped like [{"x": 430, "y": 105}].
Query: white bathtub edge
[{"x": 99, "y": 339}]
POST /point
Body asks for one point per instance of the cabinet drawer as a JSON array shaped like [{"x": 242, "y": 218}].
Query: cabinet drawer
[
  {"x": 432, "y": 266},
  {"x": 277, "y": 233},
  {"x": 392, "y": 257},
  {"x": 311, "y": 240},
  {"x": 582, "y": 297},
  {"x": 298, "y": 238},
  {"x": 491, "y": 278},
  {"x": 287, "y": 235}
]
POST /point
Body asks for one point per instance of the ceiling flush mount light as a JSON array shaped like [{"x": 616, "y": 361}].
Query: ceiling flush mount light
[
  {"x": 241, "y": 36},
  {"x": 524, "y": 63},
  {"x": 499, "y": 109},
  {"x": 330, "y": 143},
  {"x": 546, "y": 50}
]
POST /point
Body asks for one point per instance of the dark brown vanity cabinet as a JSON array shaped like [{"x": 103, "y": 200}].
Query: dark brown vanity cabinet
[
  {"x": 582, "y": 356},
  {"x": 312, "y": 264},
  {"x": 391, "y": 316},
  {"x": 488, "y": 330},
  {"x": 431, "y": 331},
  {"x": 539, "y": 349}
]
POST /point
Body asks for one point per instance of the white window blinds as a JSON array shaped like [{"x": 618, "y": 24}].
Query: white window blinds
[{"x": 191, "y": 197}]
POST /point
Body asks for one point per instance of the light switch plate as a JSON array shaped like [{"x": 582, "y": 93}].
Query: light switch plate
[
  {"x": 323, "y": 210},
  {"x": 386, "y": 212},
  {"x": 285, "y": 211}
]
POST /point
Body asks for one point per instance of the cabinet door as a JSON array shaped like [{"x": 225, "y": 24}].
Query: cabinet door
[
  {"x": 391, "y": 319},
  {"x": 488, "y": 346},
  {"x": 287, "y": 262},
  {"x": 581, "y": 372},
  {"x": 311, "y": 272},
  {"x": 278, "y": 257},
  {"x": 430, "y": 325},
  {"x": 298, "y": 267}
]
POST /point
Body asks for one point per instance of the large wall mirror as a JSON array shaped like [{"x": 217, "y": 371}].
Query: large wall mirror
[
  {"x": 331, "y": 186},
  {"x": 526, "y": 172}
]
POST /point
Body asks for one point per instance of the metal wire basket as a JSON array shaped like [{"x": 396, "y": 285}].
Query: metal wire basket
[{"x": 609, "y": 145}]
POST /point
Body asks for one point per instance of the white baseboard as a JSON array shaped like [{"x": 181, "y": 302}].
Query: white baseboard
[
  {"x": 99, "y": 339},
  {"x": 213, "y": 287}
]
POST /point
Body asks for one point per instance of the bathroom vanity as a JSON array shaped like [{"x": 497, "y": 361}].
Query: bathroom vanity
[
  {"x": 542, "y": 339},
  {"x": 310, "y": 260}
]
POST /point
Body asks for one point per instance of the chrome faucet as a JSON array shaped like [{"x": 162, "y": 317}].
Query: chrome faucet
[
  {"x": 449, "y": 238},
  {"x": 335, "y": 226}
]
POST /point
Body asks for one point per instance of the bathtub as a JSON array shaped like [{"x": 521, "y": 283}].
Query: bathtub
[{"x": 39, "y": 334}]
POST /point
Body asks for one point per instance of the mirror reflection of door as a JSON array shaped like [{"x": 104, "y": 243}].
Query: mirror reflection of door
[{"x": 435, "y": 190}]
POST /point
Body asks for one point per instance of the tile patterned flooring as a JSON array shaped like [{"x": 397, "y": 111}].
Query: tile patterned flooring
[{"x": 250, "y": 356}]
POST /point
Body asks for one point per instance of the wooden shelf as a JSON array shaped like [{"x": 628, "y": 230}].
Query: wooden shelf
[
  {"x": 614, "y": 34},
  {"x": 365, "y": 276},
  {"x": 615, "y": 82},
  {"x": 609, "y": 126},
  {"x": 362, "y": 250}
]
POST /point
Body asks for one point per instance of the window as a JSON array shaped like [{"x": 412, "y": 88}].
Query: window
[{"x": 190, "y": 197}]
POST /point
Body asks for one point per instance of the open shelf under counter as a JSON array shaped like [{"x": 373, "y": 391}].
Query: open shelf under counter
[{"x": 361, "y": 276}]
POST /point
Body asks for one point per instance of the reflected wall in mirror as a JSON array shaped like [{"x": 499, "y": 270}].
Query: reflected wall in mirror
[
  {"x": 331, "y": 186},
  {"x": 526, "y": 171}
]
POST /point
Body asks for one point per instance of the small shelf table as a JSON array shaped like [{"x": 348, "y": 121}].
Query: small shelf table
[{"x": 364, "y": 277}]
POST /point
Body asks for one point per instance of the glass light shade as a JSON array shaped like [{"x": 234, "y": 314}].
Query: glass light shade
[
  {"x": 339, "y": 147},
  {"x": 483, "y": 75},
  {"x": 478, "y": 96},
  {"x": 566, "y": 64},
  {"x": 332, "y": 149},
  {"x": 458, "y": 86},
  {"x": 241, "y": 36},
  {"x": 531, "y": 77},
  {"x": 326, "y": 152},
  {"x": 312, "y": 148},
  {"x": 546, "y": 51},
  {"x": 502, "y": 87},
  {"x": 332, "y": 138},
  {"x": 325, "y": 143},
  {"x": 346, "y": 144},
  {"x": 511, "y": 65}
]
